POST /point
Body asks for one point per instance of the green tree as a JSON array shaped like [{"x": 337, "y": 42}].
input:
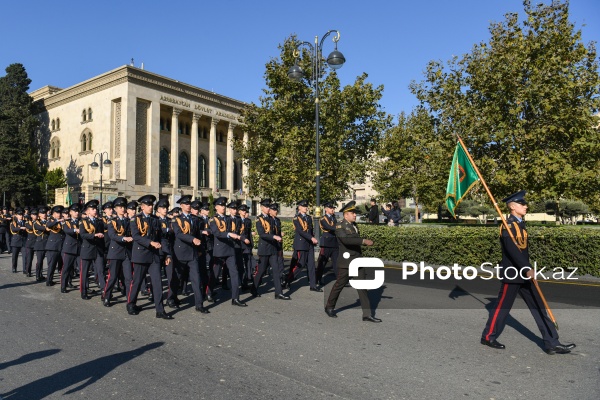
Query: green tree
[
  {"x": 524, "y": 104},
  {"x": 55, "y": 178},
  {"x": 281, "y": 155},
  {"x": 413, "y": 160},
  {"x": 18, "y": 125}
]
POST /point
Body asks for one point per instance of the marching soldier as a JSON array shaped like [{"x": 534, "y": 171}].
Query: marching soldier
[
  {"x": 276, "y": 225},
  {"x": 236, "y": 226},
  {"x": 328, "y": 242},
  {"x": 304, "y": 247},
  {"x": 31, "y": 238},
  {"x": 71, "y": 245},
  {"x": 350, "y": 243},
  {"x": 39, "y": 229},
  {"x": 223, "y": 248},
  {"x": 4, "y": 228},
  {"x": 207, "y": 250},
  {"x": 186, "y": 247},
  {"x": 247, "y": 243},
  {"x": 515, "y": 256},
  {"x": 167, "y": 263},
  {"x": 145, "y": 231},
  {"x": 268, "y": 251},
  {"x": 199, "y": 211},
  {"x": 54, "y": 243},
  {"x": 91, "y": 231},
  {"x": 117, "y": 255},
  {"x": 19, "y": 237}
]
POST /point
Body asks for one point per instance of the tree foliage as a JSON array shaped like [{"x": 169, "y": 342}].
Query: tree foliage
[
  {"x": 55, "y": 178},
  {"x": 413, "y": 160},
  {"x": 524, "y": 103},
  {"x": 18, "y": 126},
  {"x": 281, "y": 153}
]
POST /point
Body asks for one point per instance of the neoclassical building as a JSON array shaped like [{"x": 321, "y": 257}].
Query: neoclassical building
[{"x": 162, "y": 137}]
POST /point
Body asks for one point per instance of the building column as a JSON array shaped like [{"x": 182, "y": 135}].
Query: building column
[
  {"x": 153, "y": 169},
  {"x": 194, "y": 154},
  {"x": 212, "y": 155},
  {"x": 245, "y": 167},
  {"x": 230, "y": 158},
  {"x": 175, "y": 152}
]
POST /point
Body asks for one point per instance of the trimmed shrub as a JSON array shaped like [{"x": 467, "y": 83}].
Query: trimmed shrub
[{"x": 550, "y": 247}]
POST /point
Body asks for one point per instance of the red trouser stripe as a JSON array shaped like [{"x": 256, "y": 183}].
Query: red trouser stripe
[
  {"x": 131, "y": 284},
  {"x": 498, "y": 307}
]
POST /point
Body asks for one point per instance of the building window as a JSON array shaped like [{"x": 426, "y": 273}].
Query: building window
[
  {"x": 86, "y": 140},
  {"x": 162, "y": 125},
  {"x": 219, "y": 174},
  {"x": 202, "y": 172},
  {"x": 164, "y": 168},
  {"x": 205, "y": 133},
  {"x": 220, "y": 136},
  {"x": 180, "y": 128},
  {"x": 83, "y": 115},
  {"x": 53, "y": 125},
  {"x": 184, "y": 170},
  {"x": 89, "y": 114},
  {"x": 58, "y": 124},
  {"x": 54, "y": 148}
]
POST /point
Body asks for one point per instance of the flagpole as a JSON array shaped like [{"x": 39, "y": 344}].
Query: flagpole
[
  {"x": 505, "y": 226},
  {"x": 486, "y": 189}
]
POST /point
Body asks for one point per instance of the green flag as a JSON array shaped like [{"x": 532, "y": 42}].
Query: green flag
[
  {"x": 68, "y": 199},
  {"x": 461, "y": 179}
]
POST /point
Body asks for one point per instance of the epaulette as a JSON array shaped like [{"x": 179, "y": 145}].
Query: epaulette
[{"x": 338, "y": 226}]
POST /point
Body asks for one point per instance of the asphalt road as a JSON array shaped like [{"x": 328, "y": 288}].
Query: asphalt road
[{"x": 58, "y": 346}]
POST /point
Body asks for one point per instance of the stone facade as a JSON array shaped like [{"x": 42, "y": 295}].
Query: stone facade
[{"x": 162, "y": 136}]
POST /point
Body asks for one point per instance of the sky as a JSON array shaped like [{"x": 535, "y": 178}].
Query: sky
[{"x": 223, "y": 46}]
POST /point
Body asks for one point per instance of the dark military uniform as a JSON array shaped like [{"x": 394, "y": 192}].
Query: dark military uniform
[
  {"x": 205, "y": 253},
  {"x": 328, "y": 243},
  {"x": 223, "y": 249},
  {"x": 53, "y": 244},
  {"x": 117, "y": 255},
  {"x": 30, "y": 243},
  {"x": 304, "y": 249},
  {"x": 248, "y": 262},
  {"x": 185, "y": 228},
  {"x": 350, "y": 243},
  {"x": 39, "y": 229},
  {"x": 514, "y": 266},
  {"x": 5, "y": 221},
  {"x": 92, "y": 250},
  {"x": 70, "y": 249},
  {"x": 167, "y": 239},
  {"x": 145, "y": 229},
  {"x": 18, "y": 240},
  {"x": 268, "y": 252}
]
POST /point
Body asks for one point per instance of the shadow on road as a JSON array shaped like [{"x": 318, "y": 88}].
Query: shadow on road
[
  {"x": 85, "y": 374},
  {"x": 28, "y": 357}
]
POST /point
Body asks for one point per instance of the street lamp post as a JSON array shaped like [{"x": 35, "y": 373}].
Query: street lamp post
[
  {"x": 335, "y": 60},
  {"x": 104, "y": 162}
]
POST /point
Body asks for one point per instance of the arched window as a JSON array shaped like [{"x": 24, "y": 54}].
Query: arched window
[
  {"x": 164, "y": 168},
  {"x": 53, "y": 125},
  {"x": 57, "y": 124},
  {"x": 83, "y": 115},
  {"x": 89, "y": 141},
  {"x": 219, "y": 174},
  {"x": 84, "y": 142},
  {"x": 52, "y": 152},
  {"x": 89, "y": 114},
  {"x": 184, "y": 170},
  {"x": 202, "y": 172},
  {"x": 57, "y": 148}
]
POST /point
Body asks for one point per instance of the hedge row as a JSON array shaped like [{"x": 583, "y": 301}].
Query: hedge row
[{"x": 553, "y": 247}]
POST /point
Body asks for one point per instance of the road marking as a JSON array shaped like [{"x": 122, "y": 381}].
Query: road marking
[{"x": 555, "y": 282}]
